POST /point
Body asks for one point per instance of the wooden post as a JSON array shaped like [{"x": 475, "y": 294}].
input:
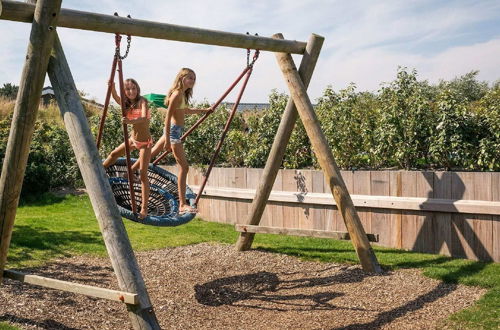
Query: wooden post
[
  {"x": 283, "y": 134},
  {"x": 115, "y": 236},
  {"x": 23, "y": 120},
  {"x": 325, "y": 157},
  {"x": 75, "y": 19}
]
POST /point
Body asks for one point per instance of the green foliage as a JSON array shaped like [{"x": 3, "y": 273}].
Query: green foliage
[
  {"x": 403, "y": 128},
  {"x": 202, "y": 142},
  {"x": 457, "y": 134},
  {"x": 348, "y": 121},
  {"x": 9, "y": 91},
  {"x": 262, "y": 130},
  {"x": 51, "y": 162},
  {"x": 489, "y": 112}
]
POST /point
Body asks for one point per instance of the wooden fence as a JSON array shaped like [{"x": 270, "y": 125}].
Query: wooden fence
[{"x": 450, "y": 213}]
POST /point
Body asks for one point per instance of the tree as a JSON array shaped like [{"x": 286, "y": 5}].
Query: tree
[{"x": 9, "y": 91}]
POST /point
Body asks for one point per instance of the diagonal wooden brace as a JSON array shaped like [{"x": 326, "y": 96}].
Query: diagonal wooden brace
[
  {"x": 327, "y": 162},
  {"x": 101, "y": 196},
  {"x": 283, "y": 134}
]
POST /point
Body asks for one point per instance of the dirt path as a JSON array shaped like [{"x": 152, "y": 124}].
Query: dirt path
[{"x": 209, "y": 286}]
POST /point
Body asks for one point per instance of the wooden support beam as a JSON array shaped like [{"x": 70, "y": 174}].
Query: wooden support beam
[
  {"x": 327, "y": 162},
  {"x": 110, "y": 222},
  {"x": 23, "y": 120},
  {"x": 22, "y": 12},
  {"x": 277, "y": 152},
  {"x": 340, "y": 235},
  {"x": 126, "y": 297}
]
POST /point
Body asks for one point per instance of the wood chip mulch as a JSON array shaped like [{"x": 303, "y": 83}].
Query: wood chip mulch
[{"x": 211, "y": 286}]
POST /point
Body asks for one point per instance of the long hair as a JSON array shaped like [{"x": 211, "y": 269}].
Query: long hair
[
  {"x": 130, "y": 103},
  {"x": 178, "y": 86}
]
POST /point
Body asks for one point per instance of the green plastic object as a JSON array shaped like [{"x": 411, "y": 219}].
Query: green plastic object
[{"x": 156, "y": 99}]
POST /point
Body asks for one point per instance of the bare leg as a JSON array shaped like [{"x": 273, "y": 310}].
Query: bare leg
[
  {"x": 114, "y": 155},
  {"x": 144, "y": 158},
  {"x": 180, "y": 157}
]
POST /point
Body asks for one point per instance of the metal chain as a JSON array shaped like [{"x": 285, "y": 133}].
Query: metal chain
[
  {"x": 255, "y": 55},
  {"x": 118, "y": 39}
]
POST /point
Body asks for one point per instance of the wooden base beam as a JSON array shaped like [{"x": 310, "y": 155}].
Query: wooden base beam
[
  {"x": 126, "y": 297},
  {"x": 340, "y": 235}
]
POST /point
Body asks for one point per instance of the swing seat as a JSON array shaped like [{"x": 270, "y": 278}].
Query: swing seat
[{"x": 163, "y": 206}]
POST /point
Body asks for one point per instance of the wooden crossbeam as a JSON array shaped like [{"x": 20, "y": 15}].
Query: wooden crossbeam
[
  {"x": 340, "y": 235},
  {"x": 126, "y": 297},
  {"x": 75, "y": 19}
]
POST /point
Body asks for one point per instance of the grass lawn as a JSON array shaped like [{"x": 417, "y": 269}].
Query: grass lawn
[{"x": 53, "y": 227}]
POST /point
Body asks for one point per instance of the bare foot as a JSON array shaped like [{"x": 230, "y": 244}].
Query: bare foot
[
  {"x": 187, "y": 209},
  {"x": 143, "y": 214}
]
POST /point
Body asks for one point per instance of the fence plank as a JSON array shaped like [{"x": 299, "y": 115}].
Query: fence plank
[
  {"x": 483, "y": 224},
  {"x": 318, "y": 214},
  {"x": 362, "y": 186},
  {"x": 442, "y": 223},
  {"x": 408, "y": 218},
  {"x": 495, "y": 196},
  {"x": 396, "y": 215},
  {"x": 380, "y": 220},
  {"x": 424, "y": 221},
  {"x": 290, "y": 213},
  {"x": 303, "y": 179},
  {"x": 277, "y": 207},
  {"x": 461, "y": 225}
]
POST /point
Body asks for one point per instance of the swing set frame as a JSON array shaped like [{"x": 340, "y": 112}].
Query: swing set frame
[{"x": 45, "y": 55}]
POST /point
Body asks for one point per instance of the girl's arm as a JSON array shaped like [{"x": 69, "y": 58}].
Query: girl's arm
[
  {"x": 115, "y": 95},
  {"x": 144, "y": 114},
  {"x": 190, "y": 111}
]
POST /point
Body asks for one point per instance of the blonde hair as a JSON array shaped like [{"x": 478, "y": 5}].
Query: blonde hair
[
  {"x": 178, "y": 86},
  {"x": 128, "y": 102}
]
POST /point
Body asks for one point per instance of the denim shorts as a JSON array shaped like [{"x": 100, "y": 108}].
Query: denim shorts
[{"x": 176, "y": 132}]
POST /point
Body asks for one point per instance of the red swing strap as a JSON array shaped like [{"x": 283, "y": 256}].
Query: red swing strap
[
  {"x": 247, "y": 69},
  {"x": 117, "y": 61},
  {"x": 226, "y": 127}
]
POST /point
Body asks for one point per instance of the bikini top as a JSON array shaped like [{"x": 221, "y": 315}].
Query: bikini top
[{"x": 136, "y": 113}]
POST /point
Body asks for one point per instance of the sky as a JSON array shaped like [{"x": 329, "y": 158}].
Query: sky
[{"x": 365, "y": 43}]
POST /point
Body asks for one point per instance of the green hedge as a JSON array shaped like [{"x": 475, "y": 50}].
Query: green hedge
[{"x": 407, "y": 124}]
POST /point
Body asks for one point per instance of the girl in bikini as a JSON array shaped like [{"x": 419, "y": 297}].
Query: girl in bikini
[
  {"x": 137, "y": 115},
  {"x": 177, "y": 101}
]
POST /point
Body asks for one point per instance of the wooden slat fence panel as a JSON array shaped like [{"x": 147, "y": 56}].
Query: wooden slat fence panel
[{"x": 402, "y": 207}]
